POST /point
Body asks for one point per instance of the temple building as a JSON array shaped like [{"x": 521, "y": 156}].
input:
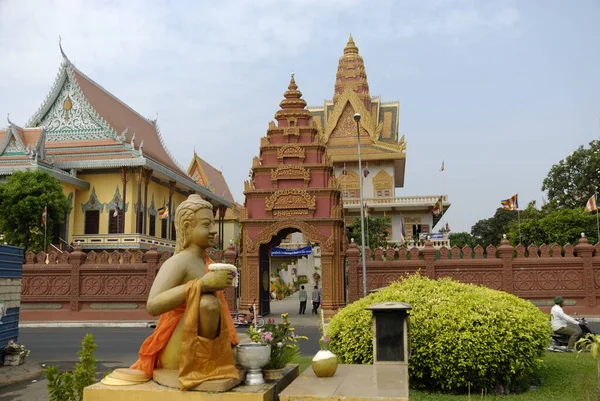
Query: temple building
[
  {"x": 383, "y": 154},
  {"x": 122, "y": 183},
  {"x": 209, "y": 177}
]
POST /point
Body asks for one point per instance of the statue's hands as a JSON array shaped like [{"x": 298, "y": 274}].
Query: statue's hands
[{"x": 216, "y": 280}]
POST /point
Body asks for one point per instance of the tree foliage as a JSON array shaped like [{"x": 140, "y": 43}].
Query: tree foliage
[
  {"x": 376, "y": 231},
  {"x": 572, "y": 181},
  {"x": 22, "y": 200},
  {"x": 461, "y": 239},
  {"x": 490, "y": 231},
  {"x": 559, "y": 226}
]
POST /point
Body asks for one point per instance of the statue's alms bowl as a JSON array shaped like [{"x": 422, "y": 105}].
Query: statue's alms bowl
[{"x": 253, "y": 357}]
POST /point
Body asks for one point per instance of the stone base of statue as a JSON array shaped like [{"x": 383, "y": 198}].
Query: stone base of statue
[
  {"x": 152, "y": 391},
  {"x": 170, "y": 378}
]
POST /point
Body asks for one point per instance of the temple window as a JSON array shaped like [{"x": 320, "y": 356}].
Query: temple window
[
  {"x": 383, "y": 193},
  {"x": 92, "y": 222},
  {"x": 140, "y": 222},
  {"x": 351, "y": 193},
  {"x": 163, "y": 228},
  {"x": 152, "y": 221},
  {"x": 116, "y": 224}
]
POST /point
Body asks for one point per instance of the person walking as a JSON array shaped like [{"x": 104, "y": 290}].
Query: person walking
[
  {"x": 316, "y": 300},
  {"x": 303, "y": 298}
]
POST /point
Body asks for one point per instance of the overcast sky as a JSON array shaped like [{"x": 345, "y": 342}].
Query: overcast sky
[{"x": 499, "y": 90}]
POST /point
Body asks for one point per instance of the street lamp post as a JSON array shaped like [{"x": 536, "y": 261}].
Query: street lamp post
[{"x": 362, "y": 211}]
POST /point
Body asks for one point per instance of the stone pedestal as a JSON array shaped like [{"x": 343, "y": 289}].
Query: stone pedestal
[
  {"x": 152, "y": 391},
  {"x": 351, "y": 383}
]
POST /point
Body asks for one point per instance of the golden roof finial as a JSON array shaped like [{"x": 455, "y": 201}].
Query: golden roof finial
[
  {"x": 350, "y": 47},
  {"x": 292, "y": 86}
]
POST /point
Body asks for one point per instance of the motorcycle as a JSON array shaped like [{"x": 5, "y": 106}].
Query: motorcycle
[
  {"x": 240, "y": 320},
  {"x": 559, "y": 342}
]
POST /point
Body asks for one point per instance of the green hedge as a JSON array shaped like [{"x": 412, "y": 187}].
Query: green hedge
[{"x": 459, "y": 334}]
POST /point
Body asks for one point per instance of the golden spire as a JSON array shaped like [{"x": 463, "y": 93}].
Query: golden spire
[
  {"x": 350, "y": 47},
  {"x": 351, "y": 75},
  {"x": 293, "y": 105}
]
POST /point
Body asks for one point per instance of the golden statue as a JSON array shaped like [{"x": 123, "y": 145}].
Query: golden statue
[{"x": 195, "y": 333}]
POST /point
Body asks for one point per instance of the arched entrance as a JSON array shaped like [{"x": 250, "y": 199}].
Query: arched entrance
[{"x": 292, "y": 188}]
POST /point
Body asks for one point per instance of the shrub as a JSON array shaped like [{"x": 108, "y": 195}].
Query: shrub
[
  {"x": 68, "y": 386},
  {"x": 459, "y": 334}
]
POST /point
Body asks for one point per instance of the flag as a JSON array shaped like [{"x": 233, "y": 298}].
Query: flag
[
  {"x": 447, "y": 227},
  {"x": 438, "y": 208},
  {"x": 344, "y": 171},
  {"x": 366, "y": 208},
  {"x": 366, "y": 171},
  {"x": 592, "y": 204},
  {"x": 44, "y": 215},
  {"x": 402, "y": 229},
  {"x": 116, "y": 213},
  {"x": 163, "y": 212},
  {"x": 442, "y": 168},
  {"x": 511, "y": 203}
]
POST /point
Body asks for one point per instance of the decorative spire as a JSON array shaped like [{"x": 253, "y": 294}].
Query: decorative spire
[
  {"x": 8, "y": 119},
  {"x": 351, "y": 75},
  {"x": 65, "y": 58},
  {"x": 292, "y": 105},
  {"x": 350, "y": 47}
]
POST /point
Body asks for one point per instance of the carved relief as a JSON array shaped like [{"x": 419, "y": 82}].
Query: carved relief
[
  {"x": 290, "y": 150},
  {"x": 349, "y": 181},
  {"x": 382, "y": 181},
  {"x": 290, "y": 172},
  {"x": 313, "y": 234},
  {"x": 290, "y": 199}
]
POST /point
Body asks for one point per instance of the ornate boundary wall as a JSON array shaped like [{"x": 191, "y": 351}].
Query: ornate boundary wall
[
  {"x": 535, "y": 273},
  {"x": 95, "y": 286}
]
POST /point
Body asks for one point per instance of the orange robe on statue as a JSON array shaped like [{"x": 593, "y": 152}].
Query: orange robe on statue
[{"x": 167, "y": 322}]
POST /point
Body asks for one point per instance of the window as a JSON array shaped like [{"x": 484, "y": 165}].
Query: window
[
  {"x": 116, "y": 223},
  {"x": 163, "y": 228},
  {"x": 152, "y": 221},
  {"x": 351, "y": 193},
  {"x": 383, "y": 193},
  {"x": 92, "y": 222},
  {"x": 140, "y": 222}
]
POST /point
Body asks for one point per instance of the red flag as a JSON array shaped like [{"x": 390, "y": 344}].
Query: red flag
[{"x": 438, "y": 208}]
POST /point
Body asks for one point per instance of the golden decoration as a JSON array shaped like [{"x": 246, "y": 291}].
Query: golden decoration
[
  {"x": 382, "y": 180},
  {"x": 290, "y": 150},
  {"x": 67, "y": 106},
  {"x": 349, "y": 181},
  {"x": 312, "y": 233},
  {"x": 290, "y": 213},
  {"x": 290, "y": 199},
  {"x": 290, "y": 172},
  {"x": 366, "y": 121}
]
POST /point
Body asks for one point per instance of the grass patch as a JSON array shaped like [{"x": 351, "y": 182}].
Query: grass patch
[
  {"x": 303, "y": 362},
  {"x": 565, "y": 377}
]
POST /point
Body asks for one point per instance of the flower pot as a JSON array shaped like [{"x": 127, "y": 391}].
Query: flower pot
[
  {"x": 324, "y": 364},
  {"x": 253, "y": 357},
  {"x": 273, "y": 374},
  {"x": 14, "y": 359}
]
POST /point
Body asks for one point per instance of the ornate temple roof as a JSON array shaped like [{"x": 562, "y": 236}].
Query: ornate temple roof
[
  {"x": 85, "y": 126},
  {"x": 379, "y": 121},
  {"x": 208, "y": 176}
]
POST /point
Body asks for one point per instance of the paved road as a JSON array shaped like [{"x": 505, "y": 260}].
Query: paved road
[{"x": 117, "y": 347}]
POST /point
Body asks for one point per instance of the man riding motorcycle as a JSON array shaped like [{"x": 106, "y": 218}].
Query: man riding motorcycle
[{"x": 560, "y": 322}]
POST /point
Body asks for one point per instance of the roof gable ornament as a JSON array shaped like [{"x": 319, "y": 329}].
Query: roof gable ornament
[
  {"x": 12, "y": 141},
  {"x": 93, "y": 203},
  {"x": 62, "y": 52},
  {"x": 117, "y": 200},
  {"x": 121, "y": 138},
  {"x": 141, "y": 149}
]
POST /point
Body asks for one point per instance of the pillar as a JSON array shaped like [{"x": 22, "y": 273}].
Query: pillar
[
  {"x": 250, "y": 273},
  {"x": 354, "y": 287},
  {"x": 230, "y": 257},
  {"x": 505, "y": 250},
  {"x": 170, "y": 218},
  {"x": 77, "y": 259},
  {"x": 138, "y": 221},
  {"x": 147, "y": 177},
  {"x": 429, "y": 256},
  {"x": 121, "y": 220},
  {"x": 585, "y": 250}
]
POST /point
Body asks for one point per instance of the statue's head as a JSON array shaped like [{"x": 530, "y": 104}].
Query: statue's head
[{"x": 187, "y": 216}]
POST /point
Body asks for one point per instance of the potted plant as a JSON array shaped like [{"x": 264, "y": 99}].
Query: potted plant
[
  {"x": 283, "y": 342},
  {"x": 324, "y": 363},
  {"x": 15, "y": 354}
]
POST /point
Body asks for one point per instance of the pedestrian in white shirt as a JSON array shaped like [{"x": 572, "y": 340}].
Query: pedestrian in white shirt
[{"x": 560, "y": 322}]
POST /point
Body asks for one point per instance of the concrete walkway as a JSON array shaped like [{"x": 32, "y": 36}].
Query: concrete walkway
[{"x": 291, "y": 305}]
